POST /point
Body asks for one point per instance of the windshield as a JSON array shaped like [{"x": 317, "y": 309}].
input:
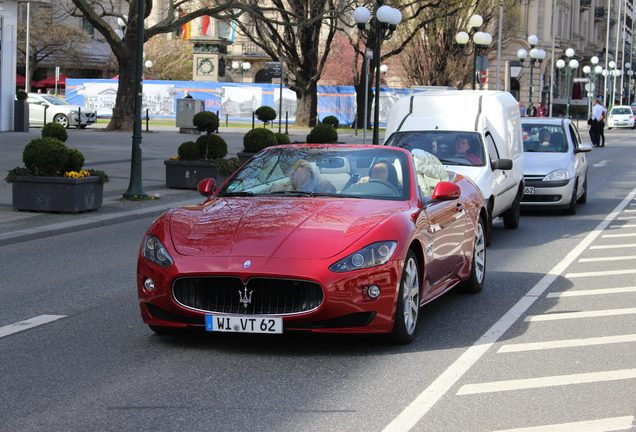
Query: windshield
[
  {"x": 451, "y": 148},
  {"x": 621, "y": 111},
  {"x": 350, "y": 172},
  {"x": 544, "y": 138},
  {"x": 53, "y": 100}
]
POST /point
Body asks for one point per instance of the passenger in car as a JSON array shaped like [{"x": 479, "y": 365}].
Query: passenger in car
[{"x": 305, "y": 177}]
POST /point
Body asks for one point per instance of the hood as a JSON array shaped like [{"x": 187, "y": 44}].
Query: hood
[
  {"x": 276, "y": 227},
  {"x": 536, "y": 163}
]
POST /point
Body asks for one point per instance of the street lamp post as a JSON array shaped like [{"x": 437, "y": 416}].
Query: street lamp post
[
  {"x": 387, "y": 19},
  {"x": 627, "y": 66},
  {"x": 630, "y": 74},
  {"x": 610, "y": 73},
  {"x": 536, "y": 58},
  {"x": 135, "y": 186},
  {"x": 243, "y": 66},
  {"x": 480, "y": 40}
]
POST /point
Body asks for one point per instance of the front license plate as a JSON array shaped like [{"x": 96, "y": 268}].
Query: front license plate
[
  {"x": 528, "y": 190},
  {"x": 243, "y": 324}
]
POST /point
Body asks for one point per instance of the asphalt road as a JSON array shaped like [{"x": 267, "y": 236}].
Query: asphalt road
[{"x": 481, "y": 362}]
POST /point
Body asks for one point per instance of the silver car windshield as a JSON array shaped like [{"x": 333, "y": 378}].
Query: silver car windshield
[{"x": 544, "y": 138}]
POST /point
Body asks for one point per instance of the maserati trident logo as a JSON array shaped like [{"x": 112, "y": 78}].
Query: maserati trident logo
[
  {"x": 244, "y": 297},
  {"x": 247, "y": 264}
]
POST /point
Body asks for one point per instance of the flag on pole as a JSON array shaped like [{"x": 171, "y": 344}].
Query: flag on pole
[
  {"x": 205, "y": 25},
  {"x": 185, "y": 28}
]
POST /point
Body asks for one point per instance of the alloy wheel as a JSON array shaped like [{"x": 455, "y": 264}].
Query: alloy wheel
[{"x": 411, "y": 295}]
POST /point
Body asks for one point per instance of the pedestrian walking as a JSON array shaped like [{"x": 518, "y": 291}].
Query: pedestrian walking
[
  {"x": 522, "y": 109},
  {"x": 541, "y": 110}
]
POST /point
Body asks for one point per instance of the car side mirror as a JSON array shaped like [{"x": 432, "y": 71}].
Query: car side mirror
[
  {"x": 502, "y": 164},
  {"x": 206, "y": 187},
  {"x": 446, "y": 191},
  {"x": 584, "y": 148}
]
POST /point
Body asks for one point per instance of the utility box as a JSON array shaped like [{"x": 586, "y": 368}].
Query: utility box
[{"x": 186, "y": 109}]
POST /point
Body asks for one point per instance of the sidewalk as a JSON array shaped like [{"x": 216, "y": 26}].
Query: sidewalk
[{"x": 110, "y": 152}]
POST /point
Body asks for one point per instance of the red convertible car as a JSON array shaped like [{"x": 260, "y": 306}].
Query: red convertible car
[{"x": 319, "y": 238}]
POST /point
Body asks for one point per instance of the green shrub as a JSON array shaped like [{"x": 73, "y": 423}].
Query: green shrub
[
  {"x": 206, "y": 121},
  {"x": 331, "y": 120},
  {"x": 21, "y": 95},
  {"x": 75, "y": 160},
  {"x": 45, "y": 156},
  {"x": 258, "y": 139},
  {"x": 211, "y": 147},
  {"x": 226, "y": 166},
  {"x": 282, "y": 138},
  {"x": 189, "y": 150},
  {"x": 54, "y": 130},
  {"x": 265, "y": 114},
  {"x": 323, "y": 133}
]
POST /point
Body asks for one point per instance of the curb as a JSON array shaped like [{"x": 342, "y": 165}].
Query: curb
[{"x": 87, "y": 223}]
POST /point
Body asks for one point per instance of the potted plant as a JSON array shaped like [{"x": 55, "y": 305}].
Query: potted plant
[
  {"x": 332, "y": 121},
  {"x": 256, "y": 140},
  {"x": 21, "y": 112},
  {"x": 323, "y": 133},
  {"x": 198, "y": 160},
  {"x": 52, "y": 179},
  {"x": 265, "y": 114}
]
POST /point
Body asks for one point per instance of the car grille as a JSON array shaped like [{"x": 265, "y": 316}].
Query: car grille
[
  {"x": 228, "y": 295},
  {"x": 541, "y": 198}
]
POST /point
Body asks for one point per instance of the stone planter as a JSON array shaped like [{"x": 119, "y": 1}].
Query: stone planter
[
  {"x": 244, "y": 156},
  {"x": 188, "y": 174},
  {"x": 20, "y": 116},
  {"x": 57, "y": 194}
]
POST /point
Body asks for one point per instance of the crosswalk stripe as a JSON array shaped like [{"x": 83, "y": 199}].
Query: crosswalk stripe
[
  {"x": 548, "y": 381},
  {"x": 567, "y": 343},
  {"x": 619, "y": 235},
  {"x": 618, "y": 246},
  {"x": 623, "y": 226},
  {"x": 616, "y": 258},
  {"x": 577, "y": 315},
  {"x": 27, "y": 324},
  {"x": 599, "y": 273},
  {"x": 602, "y": 291},
  {"x": 601, "y": 425},
  {"x": 630, "y": 210}
]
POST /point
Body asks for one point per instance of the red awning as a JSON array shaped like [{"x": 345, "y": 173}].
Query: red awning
[
  {"x": 19, "y": 80},
  {"x": 50, "y": 82}
]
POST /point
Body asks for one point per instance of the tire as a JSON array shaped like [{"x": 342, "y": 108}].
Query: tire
[
  {"x": 513, "y": 214},
  {"x": 489, "y": 224},
  {"x": 83, "y": 126},
  {"x": 408, "y": 302},
  {"x": 475, "y": 283},
  {"x": 571, "y": 208},
  {"x": 583, "y": 198},
  {"x": 62, "y": 119}
]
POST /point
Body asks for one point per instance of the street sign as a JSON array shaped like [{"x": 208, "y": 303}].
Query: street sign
[
  {"x": 482, "y": 76},
  {"x": 274, "y": 69},
  {"x": 581, "y": 80},
  {"x": 482, "y": 63}
]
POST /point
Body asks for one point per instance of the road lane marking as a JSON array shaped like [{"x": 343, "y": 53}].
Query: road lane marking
[
  {"x": 626, "y": 218},
  {"x": 582, "y": 314},
  {"x": 619, "y": 235},
  {"x": 617, "y": 258},
  {"x": 601, "y": 425},
  {"x": 599, "y": 273},
  {"x": 601, "y": 291},
  {"x": 600, "y": 164},
  {"x": 618, "y": 246},
  {"x": 548, "y": 381},
  {"x": 567, "y": 343},
  {"x": 622, "y": 226},
  {"x": 422, "y": 404},
  {"x": 28, "y": 324}
]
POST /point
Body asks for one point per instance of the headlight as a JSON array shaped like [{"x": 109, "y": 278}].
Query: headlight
[
  {"x": 557, "y": 175},
  {"x": 370, "y": 256},
  {"x": 155, "y": 252}
]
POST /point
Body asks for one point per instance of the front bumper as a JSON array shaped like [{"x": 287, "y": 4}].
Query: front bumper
[
  {"x": 621, "y": 124},
  {"x": 345, "y": 308},
  {"x": 548, "y": 194}
]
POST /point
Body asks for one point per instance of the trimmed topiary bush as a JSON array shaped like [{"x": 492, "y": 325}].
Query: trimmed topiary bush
[
  {"x": 75, "y": 160},
  {"x": 54, "y": 130},
  {"x": 258, "y": 139},
  {"x": 332, "y": 121},
  {"x": 189, "y": 150},
  {"x": 211, "y": 147},
  {"x": 323, "y": 133},
  {"x": 21, "y": 95},
  {"x": 45, "y": 156},
  {"x": 265, "y": 114},
  {"x": 282, "y": 138},
  {"x": 206, "y": 121}
]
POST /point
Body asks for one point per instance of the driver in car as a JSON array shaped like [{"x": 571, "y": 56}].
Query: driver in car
[
  {"x": 462, "y": 149},
  {"x": 383, "y": 171}
]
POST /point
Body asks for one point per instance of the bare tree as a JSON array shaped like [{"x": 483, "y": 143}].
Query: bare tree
[
  {"x": 103, "y": 16},
  {"x": 172, "y": 59},
  {"x": 300, "y": 33},
  {"x": 49, "y": 40}
]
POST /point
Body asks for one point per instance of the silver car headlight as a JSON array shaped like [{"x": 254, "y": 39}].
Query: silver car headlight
[
  {"x": 155, "y": 252},
  {"x": 557, "y": 175},
  {"x": 370, "y": 256}
]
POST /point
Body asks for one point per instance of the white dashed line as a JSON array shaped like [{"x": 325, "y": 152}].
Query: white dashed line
[
  {"x": 28, "y": 324},
  {"x": 619, "y": 235},
  {"x": 618, "y": 246},
  {"x": 578, "y": 315},
  {"x": 601, "y": 425},
  {"x": 602, "y": 291},
  {"x": 567, "y": 343},
  {"x": 616, "y": 258},
  {"x": 548, "y": 381},
  {"x": 600, "y": 273}
]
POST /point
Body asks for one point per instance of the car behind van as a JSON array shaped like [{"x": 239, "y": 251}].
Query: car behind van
[{"x": 474, "y": 133}]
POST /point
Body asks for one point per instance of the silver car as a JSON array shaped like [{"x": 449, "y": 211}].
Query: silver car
[
  {"x": 555, "y": 164},
  {"x": 44, "y": 108}
]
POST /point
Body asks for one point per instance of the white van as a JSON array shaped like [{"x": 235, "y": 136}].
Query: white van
[{"x": 474, "y": 133}]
